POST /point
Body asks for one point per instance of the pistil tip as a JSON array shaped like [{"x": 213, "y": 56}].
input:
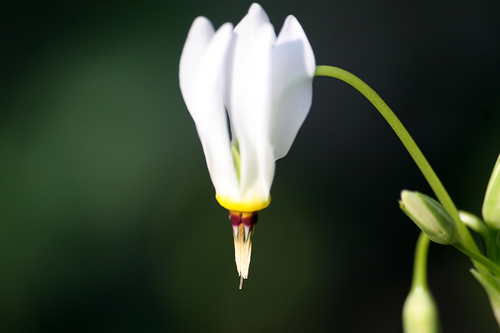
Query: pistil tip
[{"x": 241, "y": 282}]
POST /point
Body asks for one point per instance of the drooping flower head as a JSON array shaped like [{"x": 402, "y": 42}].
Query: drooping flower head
[{"x": 262, "y": 84}]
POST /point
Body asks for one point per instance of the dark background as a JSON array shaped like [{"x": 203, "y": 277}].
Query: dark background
[{"x": 107, "y": 217}]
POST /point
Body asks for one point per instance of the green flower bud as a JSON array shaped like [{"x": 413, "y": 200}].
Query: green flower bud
[
  {"x": 429, "y": 216},
  {"x": 420, "y": 313},
  {"x": 491, "y": 204},
  {"x": 491, "y": 285}
]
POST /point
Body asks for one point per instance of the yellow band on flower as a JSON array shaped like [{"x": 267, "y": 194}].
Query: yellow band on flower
[{"x": 244, "y": 207}]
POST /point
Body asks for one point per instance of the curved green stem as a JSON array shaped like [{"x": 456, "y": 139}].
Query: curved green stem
[
  {"x": 420, "y": 262},
  {"x": 478, "y": 258},
  {"x": 405, "y": 137}
]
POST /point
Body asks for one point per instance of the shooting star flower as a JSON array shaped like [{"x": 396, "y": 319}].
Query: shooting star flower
[{"x": 248, "y": 92}]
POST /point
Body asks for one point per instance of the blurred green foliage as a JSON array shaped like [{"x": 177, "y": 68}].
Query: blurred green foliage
[{"x": 107, "y": 216}]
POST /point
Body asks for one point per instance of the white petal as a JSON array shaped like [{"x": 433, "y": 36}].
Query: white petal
[
  {"x": 248, "y": 101},
  {"x": 247, "y": 44},
  {"x": 293, "y": 70},
  {"x": 198, "y": 39},
  {"x": 202, "y": 80}
]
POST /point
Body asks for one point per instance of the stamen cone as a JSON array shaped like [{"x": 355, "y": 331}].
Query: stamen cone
[{"x": 243, "y": 226}]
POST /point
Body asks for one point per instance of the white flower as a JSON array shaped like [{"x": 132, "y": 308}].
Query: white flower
[{"x": 262, "y": 84}]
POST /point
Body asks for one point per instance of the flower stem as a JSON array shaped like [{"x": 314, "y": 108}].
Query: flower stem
[
  {"x": 405, "y": 137},
  {"x": 478, "y": 258},
  {"x": 420, "y": 262}
]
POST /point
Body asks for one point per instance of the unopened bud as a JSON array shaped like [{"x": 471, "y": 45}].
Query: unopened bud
[
  {"x": 420, "y": 313},
  {"x": 491, "y": 204},
  {"x": 430, "y": 216},
  {"x": 491, "y": 284}
]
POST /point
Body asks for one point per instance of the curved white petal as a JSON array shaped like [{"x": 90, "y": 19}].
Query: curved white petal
[
  {"x": 293, "y": 68},
  {"x": 248, "y": 100},
  {"x": 202, "y": 81},
  {"x": 199, "y": 36}
]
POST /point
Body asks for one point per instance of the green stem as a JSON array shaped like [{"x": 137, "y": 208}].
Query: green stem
[
  {"x": 408, "y": 142},
  {"x": 492, "y": 245},
  {"x": 420, "y": 262},
  {"x": 478, "y": 258}
]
